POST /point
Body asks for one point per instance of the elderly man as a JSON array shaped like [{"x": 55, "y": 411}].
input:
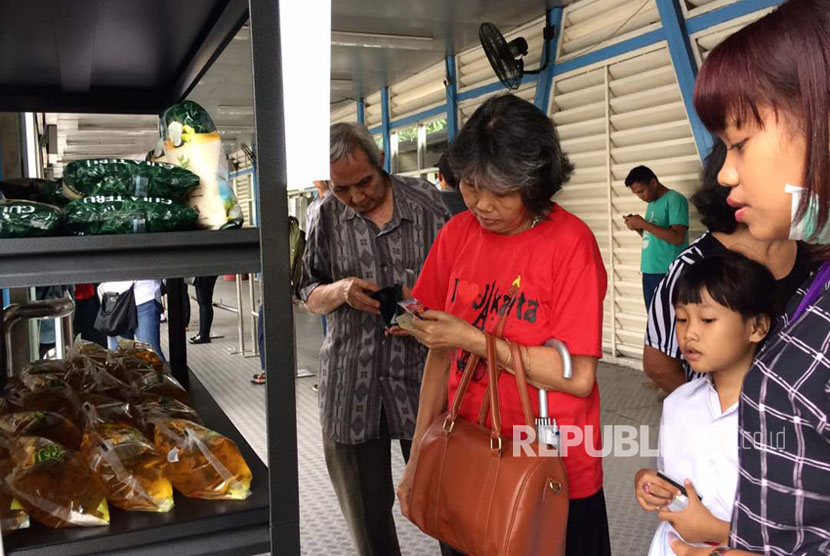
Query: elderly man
[{"x": 374, "y": 231}]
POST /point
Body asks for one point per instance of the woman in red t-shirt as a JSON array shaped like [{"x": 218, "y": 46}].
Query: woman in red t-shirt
[{"x": 510, "y": 164}]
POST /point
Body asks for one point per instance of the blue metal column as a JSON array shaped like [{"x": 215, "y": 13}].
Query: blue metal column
[
  {"x": 685, "y": 68},
  {"x": 361, "y": 112},
  {"x": 384, "y": 124},
  {"x": 543, "y": 86},
  {"x": 452, "y": 98}
]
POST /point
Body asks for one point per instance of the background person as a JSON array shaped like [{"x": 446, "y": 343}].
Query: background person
[
  {"x": 789, "y": 261},
  {"x": 510, "y": 163},
  {"x": 765, "y": 91},
  {"x": 665, "y": 229},
  {"x": 448, "y": 185},
  {"x": 204, "y": 286},
  {"x": 148, "y": 305},
  {"x": 724, "y": 305}
]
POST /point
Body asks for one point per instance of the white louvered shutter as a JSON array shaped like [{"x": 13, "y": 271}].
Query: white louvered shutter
[
  {"x": 592, "y": 24},
  {"x": 242, "y": 185},
  {"x": 345, "y": 114},
  {"x": 422, "y": 91},
  {"x": 373, "y": 110},
  {"x": 611, "y": 119},
  {"x": 692, "y": 8},
  {"x": 707, "y": 40}
]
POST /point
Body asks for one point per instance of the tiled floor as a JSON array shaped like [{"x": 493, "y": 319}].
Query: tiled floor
[{"x": 624, "y": 402}]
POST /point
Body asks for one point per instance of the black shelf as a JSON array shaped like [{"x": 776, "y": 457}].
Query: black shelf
[
  {"x": 192, "y": 527},
  {"x": 72, "y": 260},
  {"x": 118, "y": 56}
]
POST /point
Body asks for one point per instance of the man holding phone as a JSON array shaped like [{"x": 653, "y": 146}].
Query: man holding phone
[
  {"x": 665, "y": 228},
  {"x": 370, "y": 238}
]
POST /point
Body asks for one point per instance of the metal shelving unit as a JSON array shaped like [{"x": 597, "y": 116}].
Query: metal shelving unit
[{"x": 122, "y": 56}]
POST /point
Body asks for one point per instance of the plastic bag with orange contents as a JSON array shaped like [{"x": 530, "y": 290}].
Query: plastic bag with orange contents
[
  {"x": 46, "y": 424},
  {"x": 12, "y": 514},
  {"x": 141, "y": 351},
  {"x": 128, "y": 466},
  {"x": 201, "y": 463},
  {"x": 54, "y": 485}
]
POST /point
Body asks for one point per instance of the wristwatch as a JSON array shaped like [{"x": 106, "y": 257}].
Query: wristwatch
[{"x": 720, "y": 551}]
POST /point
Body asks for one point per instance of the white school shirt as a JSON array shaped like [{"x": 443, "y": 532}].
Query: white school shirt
[
  {"x": 144, "y": 290},
  {"x": 698, "y": 442}
]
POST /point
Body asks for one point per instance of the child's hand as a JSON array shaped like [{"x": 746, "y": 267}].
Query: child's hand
[
  {"x": 695, "y": 522},
  {"x": 652, "y": 492}
]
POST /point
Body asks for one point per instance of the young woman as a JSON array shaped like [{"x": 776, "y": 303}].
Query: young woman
[{"x": 766, "y": 92}]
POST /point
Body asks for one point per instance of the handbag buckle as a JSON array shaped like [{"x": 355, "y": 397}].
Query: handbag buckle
[
  {"x": 495, "y": 444},
  {"x": 448, "y": 425}
]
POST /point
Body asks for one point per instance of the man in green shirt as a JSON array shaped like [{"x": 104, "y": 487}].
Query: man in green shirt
[{"x": 665, "y": 229}]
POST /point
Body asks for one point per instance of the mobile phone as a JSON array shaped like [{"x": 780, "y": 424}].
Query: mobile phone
[{"x": 675, "y": 484}]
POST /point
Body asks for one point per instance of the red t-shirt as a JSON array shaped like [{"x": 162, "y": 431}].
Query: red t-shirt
[{"x": 468, "y": 272}]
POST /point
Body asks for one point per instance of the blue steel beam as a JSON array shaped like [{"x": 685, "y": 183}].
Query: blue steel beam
[
  {"x": 452, "y": 98},
  {"x": 553, "y": 19},
  {"x": 385, "y": 128},
  {"x": 685, "y": 68},
  {"x": 622, "y": 47},
  {"x": 361, "y": 112}
]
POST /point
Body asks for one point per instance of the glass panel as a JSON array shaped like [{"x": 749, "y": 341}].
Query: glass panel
[
  {"x": 436, "y": 142},
  {"x": 379, "y": 140},
  {"x": 407, "y": 149}
]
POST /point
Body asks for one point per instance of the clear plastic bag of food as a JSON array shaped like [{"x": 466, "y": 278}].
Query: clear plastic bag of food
[
  {"x": 12, "y": 514},
  {"x": 153, "y": 407},
  {"x": 201, "y": 463},
  {"x": 55, "y": 486},
  {"x": 60, "y": 399},
  {"x": 108, "y": 409},
  {"x": 46, "y": 424},
  {"x": 128, "y": 465},
  {"x": 161, "y": 385},
  {"x": 140, "y": 351}
]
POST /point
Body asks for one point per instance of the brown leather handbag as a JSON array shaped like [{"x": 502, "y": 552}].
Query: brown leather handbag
[{"x": 471, "y": 491}]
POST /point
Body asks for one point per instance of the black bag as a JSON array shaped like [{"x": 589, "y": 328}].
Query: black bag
[{"x": 117, "y": 314}]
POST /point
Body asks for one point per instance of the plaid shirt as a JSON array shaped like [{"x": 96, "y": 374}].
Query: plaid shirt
[
  {"x": 361, "y": 369},
  {"x": 783, "y": 500}
]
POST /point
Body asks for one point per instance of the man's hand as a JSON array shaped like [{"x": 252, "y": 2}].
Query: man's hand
[
  {"x": 652, "y": 492},
  {"x": 634, "y": 222},
  {"x": 355, "y": 293},
  {"x": 695, "y": 522}
]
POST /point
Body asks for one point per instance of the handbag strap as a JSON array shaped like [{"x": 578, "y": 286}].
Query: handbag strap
[{"x": 521, "y": 379}]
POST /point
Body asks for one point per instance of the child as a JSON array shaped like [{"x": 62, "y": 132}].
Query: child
[{"x": 724, "y": 307}]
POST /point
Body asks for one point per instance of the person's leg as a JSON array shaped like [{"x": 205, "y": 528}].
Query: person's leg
[
  {"x": 149, "y": 325},
  {"x": 587, "y": 533},
  {"x": 361, "y": 475},
  {"x": 204, "y": 294},
  {"x": 650, "y": 283}
]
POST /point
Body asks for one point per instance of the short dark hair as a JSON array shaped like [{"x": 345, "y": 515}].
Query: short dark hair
[
  {"x": 509, "y": 145},
  {"x": 710, "y": 198},
  {"x": 734, "y": 281},
  {"x": 640, "y": 174},
  {"x": 446, "y": 171}
]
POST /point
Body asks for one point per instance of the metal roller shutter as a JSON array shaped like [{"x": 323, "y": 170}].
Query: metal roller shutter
[{"x": 611, "y": 118}]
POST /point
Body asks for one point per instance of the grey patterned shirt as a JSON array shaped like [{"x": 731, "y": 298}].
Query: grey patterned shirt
[{"x": 361, "y": 370}]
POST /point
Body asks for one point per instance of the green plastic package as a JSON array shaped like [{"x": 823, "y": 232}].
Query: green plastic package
[
  {"x": 123, "y": 214},
  {"x": 84, "y": 178},
  {"x": 34, "y": 189},
  {"x": 28, "y": 219}
]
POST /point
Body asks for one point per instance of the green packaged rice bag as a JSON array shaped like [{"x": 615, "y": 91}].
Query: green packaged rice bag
[
  {"x": 28, "y": 219},
  {"x": 123, "y": 214},
  {"x": 84, "y": 178}
]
